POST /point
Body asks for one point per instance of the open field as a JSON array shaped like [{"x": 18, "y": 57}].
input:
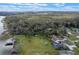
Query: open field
[{"x": 35, "y": 45}]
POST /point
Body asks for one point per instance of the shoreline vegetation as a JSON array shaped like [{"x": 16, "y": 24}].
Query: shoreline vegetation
[{"x": 33, "y": 31}]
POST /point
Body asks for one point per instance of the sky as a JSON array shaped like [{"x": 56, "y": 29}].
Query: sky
[{"x": 39, "y": 7}]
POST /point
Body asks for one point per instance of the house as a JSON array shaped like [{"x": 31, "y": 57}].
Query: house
[
  {"x": 62, "y": 43},
  {"x": 58, "y": 42}
]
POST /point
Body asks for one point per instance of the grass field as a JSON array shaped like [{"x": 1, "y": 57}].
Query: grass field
[{"x": 35, "y": 45}]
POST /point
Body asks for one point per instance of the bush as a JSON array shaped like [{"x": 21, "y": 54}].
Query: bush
[{"x": 37, "y": 24}]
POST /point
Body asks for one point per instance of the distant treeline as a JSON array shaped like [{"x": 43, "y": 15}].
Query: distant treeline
[
  {"x": 41, "y": 24},
  {"x": 7, "y": 13}
]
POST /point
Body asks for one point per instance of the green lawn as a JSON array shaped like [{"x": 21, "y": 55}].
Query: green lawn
[{"x": 35, "y": 45}]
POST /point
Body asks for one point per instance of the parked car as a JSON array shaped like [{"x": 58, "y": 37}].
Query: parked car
[
  {"x": 10, "y": 43},
  {"x": 10, "y": 46}
]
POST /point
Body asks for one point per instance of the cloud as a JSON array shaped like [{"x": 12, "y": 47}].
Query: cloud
[
  {"x": 41, "y": 4},
  {"x": 69, "y": 8},
  {"x": 9, "y": 8},
  {"x": 59, "y": 4},
  {"x": 31, "y": 4},
  {"x": 23, "y": 4},
  {"x": 39, "y": 7},
  {"x": 65, "y": 7},
  {"x": 34, "y": 6}
]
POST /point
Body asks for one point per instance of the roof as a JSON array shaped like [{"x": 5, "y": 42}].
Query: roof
[{"x": 71, "y": 47}]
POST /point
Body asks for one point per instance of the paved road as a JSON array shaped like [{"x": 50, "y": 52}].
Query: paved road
[{"x": 3, "y": 49}]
